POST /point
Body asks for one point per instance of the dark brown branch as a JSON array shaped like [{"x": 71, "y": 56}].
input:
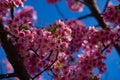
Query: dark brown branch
[
  {"x": 8, "y": 33},
  {"x": 49, "y": 55},
  {"x": 86, "y": 16},
  {"x": 9, "y": 75},
  {"x": 13, "y": 56},
  {"x": 35, "y": 51},
  {"x": 53, "y": 72},
  {"x": 105, "y": 48},
  {"x": 46, "y": 67},
  {"x": 83, "y": 2},
  {"x": 107, "y": 2},
  {"x": 49, "y": 75},
  {"x": 12, "y": 10},
  {"x": 118, "y": 49},
  {"x": 96, "y": 13}
]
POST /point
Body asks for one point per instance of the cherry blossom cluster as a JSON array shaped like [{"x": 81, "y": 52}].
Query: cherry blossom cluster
[
  {"x": 17, "y": 2},
  {"x": 22, "y": 20},
  {"x": 56, "y": 44},
  {"x": 93, "y": 55},
  {"x": 41, "y": 47},
  {"x": 4, "y": 8},
  {"x": 112, "y": 14},
  {"x": 74, "y": 5},
  {"x": 6, "y": 5},
  {"x": 78, "y": 31}
]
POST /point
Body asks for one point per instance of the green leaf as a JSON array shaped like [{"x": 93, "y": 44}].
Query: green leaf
[
  {"x": 23, "y": 27},
  {"x": 53, "y": 30}
]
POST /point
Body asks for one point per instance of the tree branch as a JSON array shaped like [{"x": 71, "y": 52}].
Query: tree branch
[
  {"x": 96, "y": 13},
  {"x": 12, "y": 10},
  {"x": 83, "y": 17},
  {"x": 8, "y": 33},
  {"x": 13, "y": 56},
  {"x": 35, "y": 51},
  {"x": 46, "y": 67},
  {"x": 9, "y": 75},
  {"x": 59, "y": 11},
  {"x": 106, "y": 5},
  {"x": 49, "y": 55}
]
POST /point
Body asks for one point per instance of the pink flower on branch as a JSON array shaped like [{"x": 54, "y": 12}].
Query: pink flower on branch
[
  {"x": 52, "y": 49},
  {"x": 6, "y": 5},
  {"x": 112, "y": 14},
  {"x": 17, "y": 2},
  {"x": 75, "y": 5}
]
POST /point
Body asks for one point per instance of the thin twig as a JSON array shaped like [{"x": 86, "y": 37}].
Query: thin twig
[
  {"x": 12, "y": 10},
  {"x": 86, "y": 16},
  {"x": 60, "y": 12},
  {"x": 9, "y": 75},
  {"x": 107, "y": 2},
  {"x": 13, "y": 56},
  {"x": 105, "y": 48},
  {"x": 6, "y": 32},
  {"x": 49, "y": 55},
  {"x": 35, "y": 51},
  {"x": 83, "y": 2},
  {"x": 46, "y": 67},
  {"x": 50, "y": 75},
  {"x": 53, "y": 72},
  {"x": 96, "y": 13}
]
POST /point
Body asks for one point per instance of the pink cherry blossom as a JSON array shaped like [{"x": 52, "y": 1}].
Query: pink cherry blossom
[
  {"x": 75, "y": 5},
  {"x": 6, "y": 5},
  {"x": 78, "y": 31},
  {"x": 112, "y": 14},
  {"x": 57, "y": 44}
]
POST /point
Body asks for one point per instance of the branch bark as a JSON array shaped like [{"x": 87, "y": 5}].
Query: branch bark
[
  {"x": 13, "y": 56},
  {"x": 107, "y": 2},
  {"x": 96, "y": 13},
  {"x": 9, "y": 75},
  {"x": 47, "y": 67}
]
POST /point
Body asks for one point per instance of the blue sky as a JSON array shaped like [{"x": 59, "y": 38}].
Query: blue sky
[{"x": 47, "y": 14}]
